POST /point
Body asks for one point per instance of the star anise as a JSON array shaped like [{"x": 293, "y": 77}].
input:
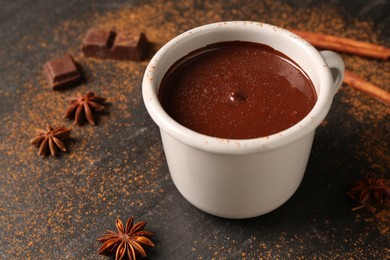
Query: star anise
[
  {"x": 83, "y": 107},
  {"x": 51, "y": 140},
  {"x": 370, "y": 190},
  {"x": 128, "y": 242}
]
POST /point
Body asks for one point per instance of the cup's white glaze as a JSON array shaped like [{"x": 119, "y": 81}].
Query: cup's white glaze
[{"x": 241, "y": 178}]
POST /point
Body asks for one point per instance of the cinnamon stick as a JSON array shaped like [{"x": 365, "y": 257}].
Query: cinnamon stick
[
  {"x": 358, "y": 83},
  {"x": 346, "y": 45}
]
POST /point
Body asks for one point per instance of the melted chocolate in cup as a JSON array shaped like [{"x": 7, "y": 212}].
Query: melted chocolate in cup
[{"x": 236, "y": 90}]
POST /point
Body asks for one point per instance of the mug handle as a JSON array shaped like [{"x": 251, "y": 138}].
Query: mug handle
[{"x": 336, "y": 66}]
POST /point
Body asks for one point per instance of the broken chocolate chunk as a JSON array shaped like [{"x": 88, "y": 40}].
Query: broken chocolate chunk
[
  {"x": 129, "y": 46},
  {"x": 118, "y": 46},
  {"x": 97, "y": 43},
  {"x": 62, "y": 73}
]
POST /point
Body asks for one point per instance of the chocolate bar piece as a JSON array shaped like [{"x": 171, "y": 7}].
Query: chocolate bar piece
[
  {"x": 117, "y": 46},
  {"x": 97, "y": 43},
  {"x": 62, "y": 73},
  {"x": 129, "y": 46}
]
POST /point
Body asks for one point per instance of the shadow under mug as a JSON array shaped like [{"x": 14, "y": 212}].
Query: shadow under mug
[{"x": 241, "y": 178}]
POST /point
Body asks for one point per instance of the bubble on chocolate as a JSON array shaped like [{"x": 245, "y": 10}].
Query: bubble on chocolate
[{"x": 238, "y": 96}]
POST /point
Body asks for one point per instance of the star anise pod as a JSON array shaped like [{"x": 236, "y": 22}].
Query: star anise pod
[
  {"x": 51, "y": 140},
  {"x": 83, "y": 107},
  {"x": 128, "y": 242},
  {"x": 369, "y": 190}
]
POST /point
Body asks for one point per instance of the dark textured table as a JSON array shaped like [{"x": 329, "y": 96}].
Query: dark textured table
[{"x": 55, "y": 208}]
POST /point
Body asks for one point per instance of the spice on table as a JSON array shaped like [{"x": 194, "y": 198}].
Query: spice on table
[
  {"x": 359, "y": 83},
  {"x": 83, "y": 107},
  {"x": 128, "y": 242},
  {"x": 370, "y": 190},
  {"x": 51, "y": 140},
  {"x": 346, "y": 45}
]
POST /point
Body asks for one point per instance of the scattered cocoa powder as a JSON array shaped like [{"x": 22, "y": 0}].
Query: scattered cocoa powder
[{"x": 111, "y": 180}]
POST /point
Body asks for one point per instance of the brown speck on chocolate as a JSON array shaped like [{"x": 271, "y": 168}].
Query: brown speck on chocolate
[{"x": 62, "y": 73}]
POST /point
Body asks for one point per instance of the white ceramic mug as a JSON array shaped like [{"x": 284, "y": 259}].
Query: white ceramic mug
[{"x": 241, "y": 178}]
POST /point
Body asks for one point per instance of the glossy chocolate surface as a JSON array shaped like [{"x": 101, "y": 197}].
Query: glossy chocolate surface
[{"x": 237, "y": 90}]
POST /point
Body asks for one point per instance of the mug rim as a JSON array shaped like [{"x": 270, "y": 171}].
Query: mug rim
[{"x": 236, "y": 146}]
